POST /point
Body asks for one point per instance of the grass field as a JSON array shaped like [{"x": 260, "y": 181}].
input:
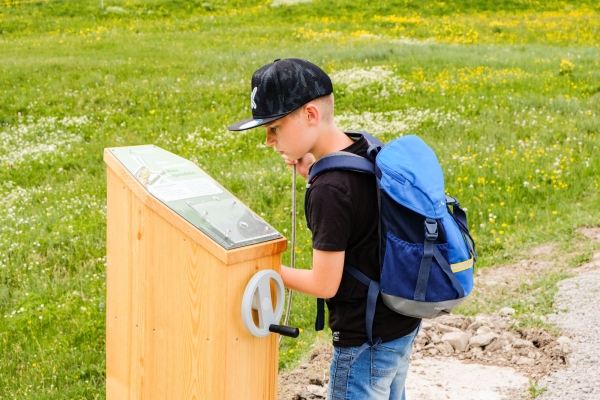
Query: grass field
[{"x": 507, "y": 92}]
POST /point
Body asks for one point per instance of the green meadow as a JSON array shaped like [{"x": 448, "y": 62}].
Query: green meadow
[{"x": 507, "y": 93}]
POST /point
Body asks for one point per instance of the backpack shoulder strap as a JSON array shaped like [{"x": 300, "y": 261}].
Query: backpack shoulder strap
[
  {"x": 370, "y": 138},
  {"x": 341, "y": 160},
  {"x": 375, "y": 145},
  {"x": 348, "y": 161}
]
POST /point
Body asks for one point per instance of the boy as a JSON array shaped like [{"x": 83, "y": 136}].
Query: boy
[{"x": 293, "y": 100}]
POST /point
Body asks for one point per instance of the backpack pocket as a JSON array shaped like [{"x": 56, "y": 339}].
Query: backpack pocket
[
  {"x": 464, "y": 273},
  {"x": 461, "y": 260},
  {"x": 400, "y": 272}
]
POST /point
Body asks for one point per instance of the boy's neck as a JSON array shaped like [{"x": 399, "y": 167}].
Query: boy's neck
[{"x": 330, "y": 139}]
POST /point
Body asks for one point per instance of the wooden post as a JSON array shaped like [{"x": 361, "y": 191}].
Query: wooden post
[{"x": 173, "y": 323}]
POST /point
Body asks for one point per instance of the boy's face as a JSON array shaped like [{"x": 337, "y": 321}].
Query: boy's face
[{"x": 290, "y": 136}]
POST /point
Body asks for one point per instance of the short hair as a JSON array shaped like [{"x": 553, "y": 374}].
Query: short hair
[{"x": 325, "y": 105}]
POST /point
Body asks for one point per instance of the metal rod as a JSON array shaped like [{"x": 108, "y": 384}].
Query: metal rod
[{"x": 293, "y": 255}]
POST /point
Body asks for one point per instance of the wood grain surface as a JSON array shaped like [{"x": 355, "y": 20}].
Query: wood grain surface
[{"x": 174, "y": 326}]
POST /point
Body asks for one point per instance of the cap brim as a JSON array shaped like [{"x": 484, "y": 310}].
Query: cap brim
[{"x": 250, "y": 123}]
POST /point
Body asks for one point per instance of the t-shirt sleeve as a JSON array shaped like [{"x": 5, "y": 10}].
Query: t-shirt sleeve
[{"x": 330, "y": 213}]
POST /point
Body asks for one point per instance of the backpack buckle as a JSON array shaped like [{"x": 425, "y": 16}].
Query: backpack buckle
[
  {"x": 431, "y": 229},
  {"x": 452, "y": 201}
]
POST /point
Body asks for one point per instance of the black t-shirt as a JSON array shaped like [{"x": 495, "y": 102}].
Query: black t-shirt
[{"x": 343, "y": 213}]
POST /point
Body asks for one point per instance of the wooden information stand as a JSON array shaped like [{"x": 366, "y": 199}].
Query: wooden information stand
[{"x": 173, "y": 324}]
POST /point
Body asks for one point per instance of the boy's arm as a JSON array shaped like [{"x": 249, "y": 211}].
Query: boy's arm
[{"x": 323, "y": 280}]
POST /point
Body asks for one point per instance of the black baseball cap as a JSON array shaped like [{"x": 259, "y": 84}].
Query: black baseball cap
[{"x": 281, "y": 87}]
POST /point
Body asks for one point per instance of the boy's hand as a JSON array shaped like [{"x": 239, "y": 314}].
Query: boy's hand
[{"x": 302, "y": 164}]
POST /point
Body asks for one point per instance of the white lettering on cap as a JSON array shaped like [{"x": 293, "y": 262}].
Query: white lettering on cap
[{"x": 252, "y": 97}]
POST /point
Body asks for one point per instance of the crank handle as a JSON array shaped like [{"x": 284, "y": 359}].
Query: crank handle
[{"x": 284, "y": 330}]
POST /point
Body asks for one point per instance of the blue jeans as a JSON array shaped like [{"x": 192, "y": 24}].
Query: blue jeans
[{"x": 378, "y": 374}]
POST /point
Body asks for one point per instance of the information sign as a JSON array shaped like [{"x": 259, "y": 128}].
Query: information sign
[{"x": 189, "y": 191}]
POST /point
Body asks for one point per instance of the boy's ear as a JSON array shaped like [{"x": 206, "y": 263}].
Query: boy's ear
[{"x": 312, "y": 113}]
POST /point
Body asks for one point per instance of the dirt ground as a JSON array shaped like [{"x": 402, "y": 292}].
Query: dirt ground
[
  {"x": 516, "y": 357},
  {"x": 490, "y": 359}
]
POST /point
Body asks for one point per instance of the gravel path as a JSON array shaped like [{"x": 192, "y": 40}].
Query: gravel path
[{"x": 578, "y": 305}]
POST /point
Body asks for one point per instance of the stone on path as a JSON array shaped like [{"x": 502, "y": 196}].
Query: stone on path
[
  {"x": 458, "y": 340},
  {"x": 482, "y": 340},
  {"x": 520, "y": 343},
  {"x": 319, "y": 391}
]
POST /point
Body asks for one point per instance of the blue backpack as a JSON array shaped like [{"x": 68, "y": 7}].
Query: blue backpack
[{"x": 426, "y": 269}]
